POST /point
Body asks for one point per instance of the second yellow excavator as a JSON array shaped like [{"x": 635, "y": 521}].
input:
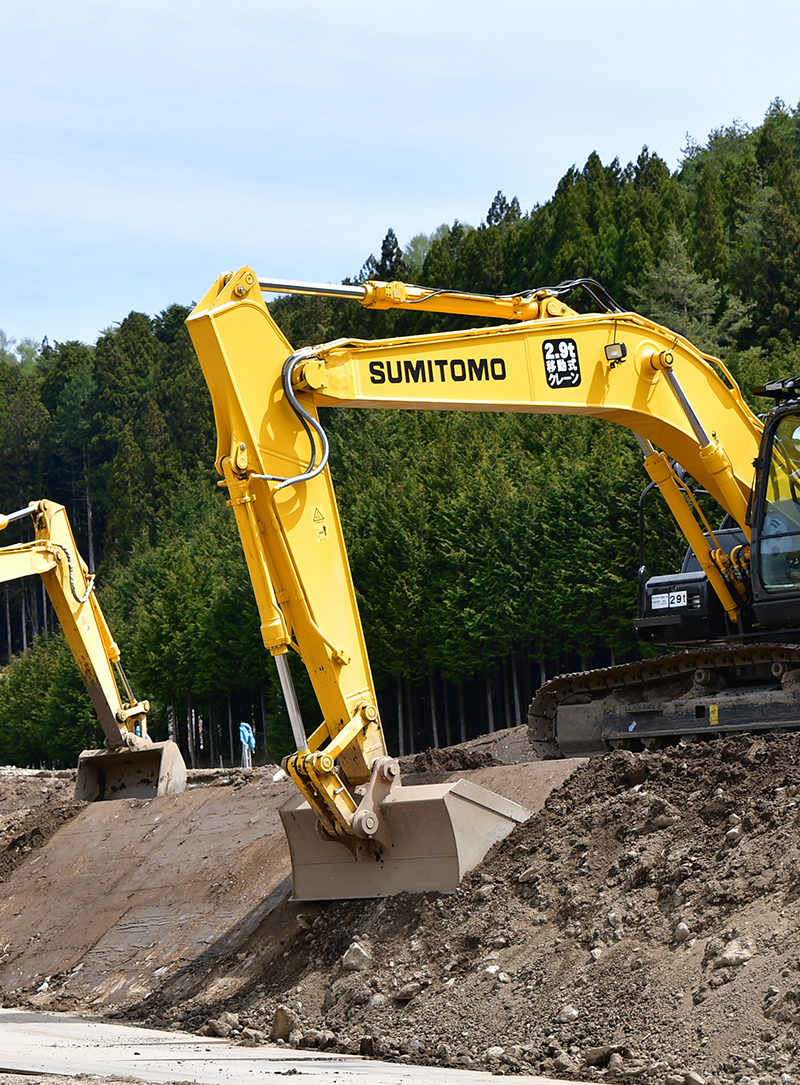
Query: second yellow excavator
[
  {"x": 130, "y": 765},
  {"x": 354, "y": 831}
]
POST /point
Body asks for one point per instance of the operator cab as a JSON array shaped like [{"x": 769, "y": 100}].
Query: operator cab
[
  {"x": 683, "y": 608},
  {"x": 779, "y": 532},
  {"x": 776, "y": 522}
]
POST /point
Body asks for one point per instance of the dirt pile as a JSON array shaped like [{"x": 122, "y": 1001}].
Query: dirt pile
[
  {"x": 645, "y": 924},
  {"x": 33, "y": 806}
]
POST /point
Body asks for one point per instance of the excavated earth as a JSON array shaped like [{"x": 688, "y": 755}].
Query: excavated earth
[{"x": 643, "y": 924}]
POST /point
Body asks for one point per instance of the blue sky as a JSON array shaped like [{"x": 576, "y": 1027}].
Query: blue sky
[{"x": 148, "y": 145}]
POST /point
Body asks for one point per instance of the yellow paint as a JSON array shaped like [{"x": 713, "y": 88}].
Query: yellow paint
[
  {"x": 547, "y": 359},
  {"x": 320, "y": 527}
]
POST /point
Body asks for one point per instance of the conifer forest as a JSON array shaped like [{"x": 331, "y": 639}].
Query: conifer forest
[{"x": 489, "y": 551}]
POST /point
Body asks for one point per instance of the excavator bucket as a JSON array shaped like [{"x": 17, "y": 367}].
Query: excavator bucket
[
  {"x": 438, "y": 833},
  {"x": 157, "y": 769}
]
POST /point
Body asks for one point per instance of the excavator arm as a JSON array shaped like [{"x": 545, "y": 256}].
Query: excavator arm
[
  {"x": 272, "y": 454},
  {"x": 131, "y": 765}
]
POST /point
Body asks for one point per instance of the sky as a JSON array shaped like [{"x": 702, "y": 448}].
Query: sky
[{"x": 148, "y": 145}]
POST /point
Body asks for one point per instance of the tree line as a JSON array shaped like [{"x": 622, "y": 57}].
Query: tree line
[{"x": 489, "y": 551}]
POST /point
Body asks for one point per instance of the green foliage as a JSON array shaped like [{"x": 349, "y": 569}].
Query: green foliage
[
  {"x": 674, "y": 294},
  {"x": 391, "y": 265},
  {"x": 23, "y": 427},
  {"x": 456, "y": 528},
  {"x": 418, "y": 248},
  {"x": 475, "y": 539},
  {"x": 24, "y": 353},
  {"x": 502, "y": 210},
  {"x": 46, "y": 717}
]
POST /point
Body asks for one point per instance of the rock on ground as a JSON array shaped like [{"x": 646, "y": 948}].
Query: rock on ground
[{"x": 623, "y": 933}]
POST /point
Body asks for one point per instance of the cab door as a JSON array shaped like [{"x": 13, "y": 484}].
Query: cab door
[{"x": 775, "y": 557}]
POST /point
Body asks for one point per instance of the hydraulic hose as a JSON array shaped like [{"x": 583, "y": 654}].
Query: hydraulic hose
[{"x": 308, "y": 422}]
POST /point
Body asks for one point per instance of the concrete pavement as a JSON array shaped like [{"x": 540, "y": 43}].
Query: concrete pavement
[{"x": 52, "y": 1043}]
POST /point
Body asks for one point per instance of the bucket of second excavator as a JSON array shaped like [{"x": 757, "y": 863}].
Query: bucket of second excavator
[
  {"x": 438, "y": 833},
  {"x": 157, "y": 769}
]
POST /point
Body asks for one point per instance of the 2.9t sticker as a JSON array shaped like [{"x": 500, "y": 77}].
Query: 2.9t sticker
[{"x": 561, "y": 363}]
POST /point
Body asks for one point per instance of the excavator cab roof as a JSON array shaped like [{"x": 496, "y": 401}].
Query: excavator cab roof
[{"x": 782, "y": 391}]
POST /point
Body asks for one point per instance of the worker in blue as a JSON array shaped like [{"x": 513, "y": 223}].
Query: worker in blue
[{"x": 248, "y": 740}]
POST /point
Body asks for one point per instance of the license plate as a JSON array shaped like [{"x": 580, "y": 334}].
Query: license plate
[{"x": 668, "y": 599}]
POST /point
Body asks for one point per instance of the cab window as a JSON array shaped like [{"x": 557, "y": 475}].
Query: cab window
[{"x": 779, "y": 549}]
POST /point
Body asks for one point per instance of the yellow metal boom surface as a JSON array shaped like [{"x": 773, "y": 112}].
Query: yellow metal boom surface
[{"x": 546, "y": 358}]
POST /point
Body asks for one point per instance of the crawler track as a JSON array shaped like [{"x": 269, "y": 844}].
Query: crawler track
[{"x": 714, "y": 691}]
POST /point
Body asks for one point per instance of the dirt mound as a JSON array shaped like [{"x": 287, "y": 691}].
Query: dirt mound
[
  {"x": 645, "y": 924},
  {"x": 24, "y": 788},
  {"x": 33, "y": 806},
  {"x": 451, "y": 759}
]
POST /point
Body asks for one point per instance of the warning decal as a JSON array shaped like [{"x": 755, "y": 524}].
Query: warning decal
[{"x": 320, "y": 527}]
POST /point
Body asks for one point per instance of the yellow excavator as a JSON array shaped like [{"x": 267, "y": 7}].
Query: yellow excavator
[
  {"x": 130, "y": 765},
  {"x": 735, "y": 604}
]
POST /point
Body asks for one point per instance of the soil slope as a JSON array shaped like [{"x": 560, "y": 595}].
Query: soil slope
[{"x": 644, "y": 924}]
